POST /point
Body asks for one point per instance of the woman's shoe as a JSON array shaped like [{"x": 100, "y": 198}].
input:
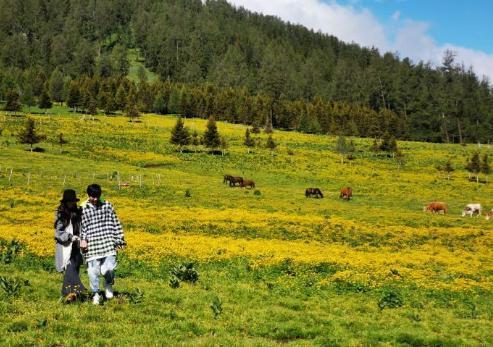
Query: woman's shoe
[
  {"x": 95, "y": 299},
  {"x": 108, "y": 292}
]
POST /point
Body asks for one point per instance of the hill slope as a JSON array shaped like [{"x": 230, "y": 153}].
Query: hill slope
[{"x": 274, "y": 266}]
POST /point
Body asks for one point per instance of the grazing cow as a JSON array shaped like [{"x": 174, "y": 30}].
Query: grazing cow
[
  {"x": 309, "y": 192},
  {"x": 247, "y": 183},
  {"x": 436, "y": 207},
  {"x": 227, "y": 178},
  {"x": 233, "y": 180},
  {"x": 346, "y": 193},
  {"x": 489, "y": 215},
  {"x": 471, "y": 209}
]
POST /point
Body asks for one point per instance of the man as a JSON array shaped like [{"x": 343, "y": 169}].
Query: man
[{"x": 101, "y": 236}]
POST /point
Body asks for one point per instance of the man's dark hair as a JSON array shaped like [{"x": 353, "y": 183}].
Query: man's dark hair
[{"x": 94, "y": 190}]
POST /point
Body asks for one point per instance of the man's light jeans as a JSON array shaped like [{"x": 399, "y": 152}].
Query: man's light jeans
[{"x": 102, "y": 266}]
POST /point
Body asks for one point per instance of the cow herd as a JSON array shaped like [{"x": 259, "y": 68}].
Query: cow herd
[{"x": 346, "y": 193}]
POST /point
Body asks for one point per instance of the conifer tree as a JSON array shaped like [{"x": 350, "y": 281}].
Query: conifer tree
[
  {"x": 249, "y": 142},
  {"x": 44, "y": 100},
  {"x": 180, "y": 135},
  {"x": 74, "y": 97},
  {"x": 29, "y": 134},
  {"x": 270, "y": 144},
  {"x": 211, "y": 138},
  {"x": 56, "y": 85},
  {"x": 342, "y": 147},
  {"x": 61, "y": 141},
  {"x": 474, "y": 165},
  {"x": 12, "y": 101},
  {"x": 448, "y": 168}
]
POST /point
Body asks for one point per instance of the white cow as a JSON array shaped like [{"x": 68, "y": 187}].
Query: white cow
[{"x": 471, "y": 209}]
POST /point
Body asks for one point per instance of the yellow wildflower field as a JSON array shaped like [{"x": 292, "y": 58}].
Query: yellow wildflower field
[{"x": 177, "y": 205}]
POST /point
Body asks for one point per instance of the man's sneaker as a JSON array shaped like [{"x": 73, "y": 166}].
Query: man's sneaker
[
  {"x": 95, "y": 299},
  {"x": 108, "y": 292}
]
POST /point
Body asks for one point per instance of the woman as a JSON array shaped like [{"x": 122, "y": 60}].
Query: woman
[{"x": 68, "y": 257}]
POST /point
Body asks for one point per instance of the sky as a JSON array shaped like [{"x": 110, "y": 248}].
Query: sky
[{"x": 419, "y": 29}]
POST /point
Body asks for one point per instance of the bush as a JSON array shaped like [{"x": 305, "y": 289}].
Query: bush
[
  {"x": 185, "y": 273},
  {"x": 390, "y": 299}
]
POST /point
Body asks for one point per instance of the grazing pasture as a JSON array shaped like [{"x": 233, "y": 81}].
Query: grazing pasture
[{"x": 273, "y": 266}]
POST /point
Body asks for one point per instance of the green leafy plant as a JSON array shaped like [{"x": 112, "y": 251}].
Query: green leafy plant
[
  {"x": 216, "y": 306},
  {"x": 185, "y": 272},
  {"x": 390, "y": 299},
  {"x": 12, "y": 286}
]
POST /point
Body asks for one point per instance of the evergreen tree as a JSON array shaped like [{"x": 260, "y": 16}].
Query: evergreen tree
[
  {"x": 61, "y": 141},
  {"x": 474, "y": 165},
  {"x": 270, "y": 144},
  {"x": 133, "y": 112},
  {"x": 342, "y": 147},
  {"x": 93, "y": 108},
  {"x": 44, "y": 100},
  {"x": 74, "y": 96},
  {"x": 211, "y": 137},
  {"x": 121, "y": 98},
  {"x": 159, "y": 105},
  {"x": 249, "y": 142},
  {"x": 174, "y": 104},
  {"x": 12, "y": 102},
  {"x": 56, "y": 85},
  {"x": 28, "y": 96},
  {"x": 29, "y": 134},
  {"x": 195, "y": 139},
  {"x": 389, "y": 144},
  {"x": 180, "y": 135},
  {"x": 448, "y": 168}
]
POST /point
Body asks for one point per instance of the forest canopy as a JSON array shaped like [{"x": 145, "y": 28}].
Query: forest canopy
[{"x": 214, "y": 59}]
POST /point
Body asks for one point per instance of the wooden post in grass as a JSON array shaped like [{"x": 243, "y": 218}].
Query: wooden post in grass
[
  {"x": 28, "y": 178},
  {"x": 10, "y": 176},
  {"x": 119, "y": 181}
]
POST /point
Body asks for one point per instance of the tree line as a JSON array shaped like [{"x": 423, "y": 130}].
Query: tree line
[{"x": 330, "y": 86}]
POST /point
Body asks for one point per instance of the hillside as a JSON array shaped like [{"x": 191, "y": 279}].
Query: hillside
[
  {"x": 47, "y": 43},
  {"x": 274, "y": 266}
]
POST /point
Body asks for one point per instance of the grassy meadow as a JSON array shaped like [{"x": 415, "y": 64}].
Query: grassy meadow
[{"x": 273, "y": 266}]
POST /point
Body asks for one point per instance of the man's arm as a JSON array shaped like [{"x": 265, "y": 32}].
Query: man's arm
[{"x": 117, "y": 230}]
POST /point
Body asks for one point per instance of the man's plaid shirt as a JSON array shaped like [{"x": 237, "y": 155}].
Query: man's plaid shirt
[{"x": 102, "y": 230}]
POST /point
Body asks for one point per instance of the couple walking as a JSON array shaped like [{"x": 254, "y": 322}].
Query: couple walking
[{"x": 93, "y": 232}]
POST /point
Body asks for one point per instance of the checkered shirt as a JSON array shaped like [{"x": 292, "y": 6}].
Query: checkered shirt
[{"x": 102, "y": 230}]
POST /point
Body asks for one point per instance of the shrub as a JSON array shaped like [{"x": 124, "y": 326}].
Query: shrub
[
  {"x": 185, "y": 273},
  {"x": 390, "y": 299}
]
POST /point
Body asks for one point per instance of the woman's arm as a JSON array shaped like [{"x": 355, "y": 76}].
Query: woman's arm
[{"x": 60, "y": 234}]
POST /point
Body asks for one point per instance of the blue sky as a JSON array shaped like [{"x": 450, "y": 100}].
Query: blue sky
[
  {"x": 419, "y": 29},
  {"x": 458, "y": 22}
]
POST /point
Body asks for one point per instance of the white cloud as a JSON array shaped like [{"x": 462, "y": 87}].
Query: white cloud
[
  {"x": 351, "y": 24},
  {"x": 344, "y": 22}
]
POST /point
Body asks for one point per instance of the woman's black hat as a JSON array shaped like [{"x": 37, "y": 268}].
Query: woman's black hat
[{"x": 69, "y": 195}]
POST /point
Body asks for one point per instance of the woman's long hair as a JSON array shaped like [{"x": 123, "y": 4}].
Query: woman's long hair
[{"x": 66, "y": 213}]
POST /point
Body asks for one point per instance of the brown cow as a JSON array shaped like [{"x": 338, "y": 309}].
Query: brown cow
[
  {"x": 247, "y": 183},
  {"x": 309, "y": 192},
  {"x": 489, "y": 215},
  {"x": 346, "y": 193},
  {"x": 436, "y": 207},
  {"x": 233, "y": 180}
]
